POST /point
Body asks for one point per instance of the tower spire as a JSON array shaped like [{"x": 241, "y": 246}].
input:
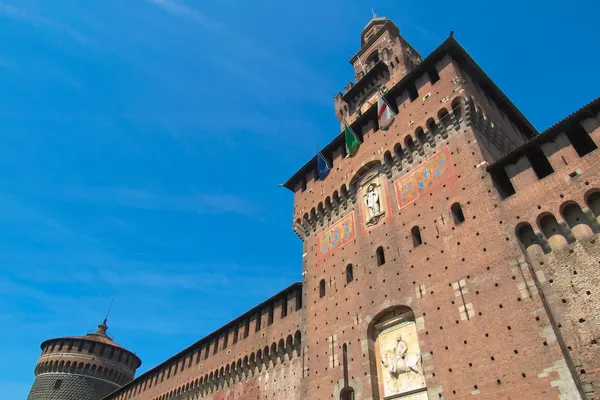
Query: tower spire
[{"x": 103, "y": 327}]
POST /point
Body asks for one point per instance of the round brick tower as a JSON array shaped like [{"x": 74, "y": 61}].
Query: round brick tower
[{"x": 82, "y": 367}]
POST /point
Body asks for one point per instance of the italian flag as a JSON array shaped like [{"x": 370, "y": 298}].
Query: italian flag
[{"x": 385, "y": 114}]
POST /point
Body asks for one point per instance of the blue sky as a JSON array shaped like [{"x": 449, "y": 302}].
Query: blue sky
[{"x": 142, "y": 141}]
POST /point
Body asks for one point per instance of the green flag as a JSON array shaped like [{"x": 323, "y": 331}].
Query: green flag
[{"x": 352, "y": 142}]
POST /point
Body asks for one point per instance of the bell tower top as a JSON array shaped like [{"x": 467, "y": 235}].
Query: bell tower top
[
  {"x": 372, "y": 27},
  {"x": 383, "y": 59}
]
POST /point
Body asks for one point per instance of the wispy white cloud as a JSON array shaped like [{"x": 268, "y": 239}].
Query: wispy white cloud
[
  {"x": 182, "y": 10},
  {"x": 291, "y": 67},
  {"x": 196, "y": 202},
  {"x": 16, "y": 13}
]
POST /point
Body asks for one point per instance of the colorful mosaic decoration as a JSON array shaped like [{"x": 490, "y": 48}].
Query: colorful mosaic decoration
[
  {"x": 336, "y": 236},
  {"x": 437, "y": 170}
]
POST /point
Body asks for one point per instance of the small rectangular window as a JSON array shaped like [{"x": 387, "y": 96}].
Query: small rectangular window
[
  {"x": 258, "y": 321},
  {"x": 412, "y": 92},
  {"x": 57, "y": 384},
  {"x": 284, "y": 304},
  {"x": 271, "y": 313}
]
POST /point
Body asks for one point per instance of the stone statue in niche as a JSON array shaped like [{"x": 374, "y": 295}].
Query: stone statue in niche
[{"x": 373, "y": 204}]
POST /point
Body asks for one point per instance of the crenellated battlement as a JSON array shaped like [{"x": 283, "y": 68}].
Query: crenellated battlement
[{"x": 558, "y": 148}]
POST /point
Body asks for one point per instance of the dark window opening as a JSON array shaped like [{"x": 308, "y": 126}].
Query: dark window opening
[
  {"x": 345, "y": 363},
  {"x": 349, "y": 273},
  {"x": 457, "y": 213},
  {"x": 412, "y": 92},
  {"x": 550, "y": 227},
  {"x": 580, "y": 140},
  {"x": 387, "y": 158},
  {"x": 433, "y": 76},
  {"x": 271, "y": 313},
  {"x": 236, "y": 333},
  {"x": 225, "y": 340},
  {"x": 593, "y": 202},
  {"x": 398, "y": 151},
  {"x": 298, "y": 300},
  {"x": 284, "y": 305},
  {"x": 247, "y": 329},
  {"x": 215, "y": 349},
  {"x": 57, "y": 384},
  {"x": 258, "y": 321},
  {"x": 303, "y": 184},
  {"x": 540, "y": 164},
  {"x": 456, "y": 107},
  {"x": 527, "y": 236},
  {"x": 573, "y": 216},
  {"x": 322, "y": 288},
  {"x": 416, "y": 236},
  {"x": 502, "y": 183},
  {"x": 380, "y": 256},
  {"x": 347, "y": 394}
]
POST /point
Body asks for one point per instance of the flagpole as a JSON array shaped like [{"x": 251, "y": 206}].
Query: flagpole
[{"x": 322, "y": 156}]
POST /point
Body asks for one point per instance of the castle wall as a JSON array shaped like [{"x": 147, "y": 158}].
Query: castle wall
[{"x": 259, "y": 355}]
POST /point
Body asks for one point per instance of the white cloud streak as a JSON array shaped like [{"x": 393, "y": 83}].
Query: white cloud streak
[
  {"x": 195, "y": 202},
  {"x": 19, "y": 14}
]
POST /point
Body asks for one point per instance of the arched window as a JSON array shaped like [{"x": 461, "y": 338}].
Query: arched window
[
  {"x": 552, "y": 231},
  {"x": 444, "y": 118},
  {"x": 398, "y": 151},
  {"x": 420, "y": 135},
  {"x": 373, "y": 59},
  {"x": 410, "y": 144},
  {"x": 457, "y": 213},
  {"x": 322, "y": 288},
  {"x": 457, "y": 108},
  {"x": 593, "y": 202},
  {"x": 387, "y": 158},
  {"x": 349, "y": 273},
  {"x": 416, "y": 236},
  {"x": 432, "y": 127},
  {"x": 577, "y": 220},
  {"x": 380, "y": 256}
]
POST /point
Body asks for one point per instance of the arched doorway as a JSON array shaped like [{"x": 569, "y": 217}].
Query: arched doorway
[{"x": 347, "y": 393}]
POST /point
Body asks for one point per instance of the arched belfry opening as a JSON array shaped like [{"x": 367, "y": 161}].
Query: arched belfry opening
[{"x": 396, "y": 362}]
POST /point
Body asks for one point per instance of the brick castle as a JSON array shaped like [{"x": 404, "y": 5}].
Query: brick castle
[{"x": 453, "y": 255}]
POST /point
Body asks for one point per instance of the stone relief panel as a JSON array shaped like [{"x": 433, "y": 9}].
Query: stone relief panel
[
  {"x": 336, "y": 236},
  {"x": 435, "y": 171},
  {"x": 400, "y": 364}
]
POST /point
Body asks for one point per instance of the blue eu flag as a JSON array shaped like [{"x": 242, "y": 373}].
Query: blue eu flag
[{"x": 323, "y": 167}]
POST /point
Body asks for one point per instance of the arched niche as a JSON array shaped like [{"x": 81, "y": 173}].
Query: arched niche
[
  {"x": 396, "y": 363},
  {"x": 576, "y": 220},
  {"x": 529, "y": 240},
  {"x": 552, "y": 231}
]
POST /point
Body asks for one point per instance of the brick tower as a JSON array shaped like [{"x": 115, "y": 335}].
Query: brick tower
[
  {"x": 82, "y": 367},
  {"x": 452, "y": 255}
]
